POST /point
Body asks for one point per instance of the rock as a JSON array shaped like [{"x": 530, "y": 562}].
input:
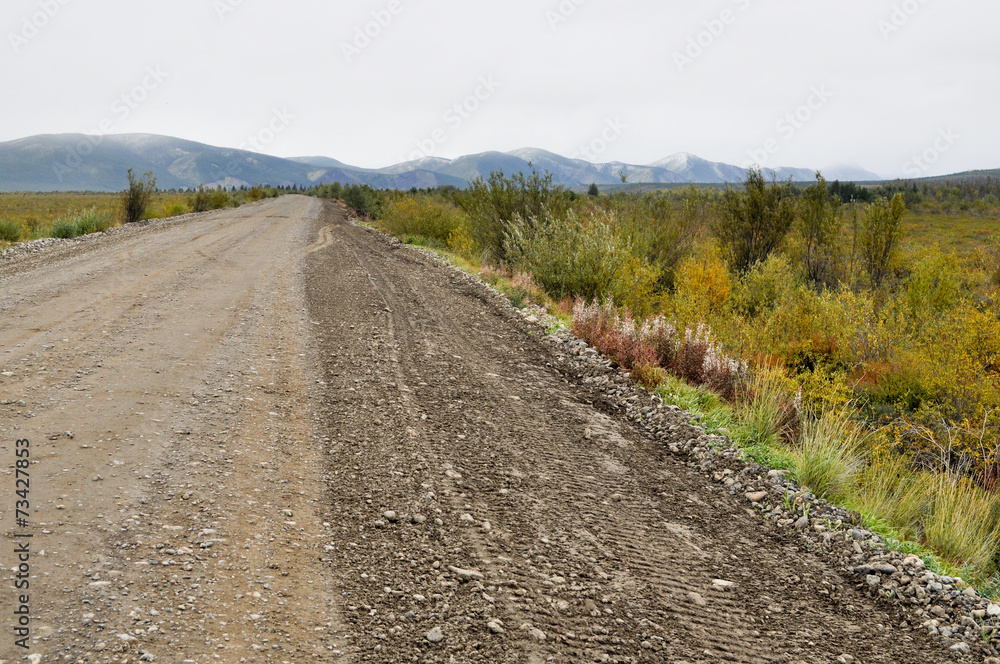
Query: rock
[
  {"x": 993, "y": 610},
  {"x": 873, "y": 580},
  {"x": 695, "y": 598},
  {"x": 845, "y": 659},
  {"x": 466, "y": 574},
  {"x": 536, "y": 634},
  {"x": 757, "y": 496},
  {"x": 802, "y": 523},
  {"x": 467, "y": 518},
  {"x": 436, "y": 635},
  {"x": 418, "y": 519},
  {"x": 719, "y": 584},
  {"x": 391, "y": 516},
  {"x": 939, "y": 611},
  {"x": 961, "y": 648},
  {"x": 495, "y": 627}
]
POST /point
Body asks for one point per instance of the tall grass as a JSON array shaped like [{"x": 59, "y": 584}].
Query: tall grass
[
  {"x": 828, "y": 456},
  {"x": 961, "y": 523}
]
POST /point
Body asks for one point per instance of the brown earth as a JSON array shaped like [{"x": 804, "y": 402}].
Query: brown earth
[{"x": 267, "y": 435}]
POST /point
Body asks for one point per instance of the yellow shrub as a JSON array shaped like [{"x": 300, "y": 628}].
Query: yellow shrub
[{"x": 703, "y": 285}]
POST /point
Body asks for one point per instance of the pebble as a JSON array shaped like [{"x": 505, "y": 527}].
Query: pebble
[
  {"x": 757, "y": 496},
  {"x": 391, "y": 516},
  {"x": 436, "y": 635},
  {"x": 466, "y": 574},
  {"x": 495, "y": 627}
]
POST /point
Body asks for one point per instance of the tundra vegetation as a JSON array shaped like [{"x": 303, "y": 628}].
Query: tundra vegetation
[
  {"x": 849, "y": 334},
  {"x": 32, "y": 216}
]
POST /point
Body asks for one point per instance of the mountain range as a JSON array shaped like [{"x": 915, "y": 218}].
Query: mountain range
[{"x": 78, "y": 162}]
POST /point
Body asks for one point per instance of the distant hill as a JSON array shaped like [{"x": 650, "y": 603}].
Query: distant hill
[{"x": 55, "y": 162}]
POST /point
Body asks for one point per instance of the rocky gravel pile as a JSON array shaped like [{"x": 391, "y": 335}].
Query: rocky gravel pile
[{"x": 945, "y": 607}]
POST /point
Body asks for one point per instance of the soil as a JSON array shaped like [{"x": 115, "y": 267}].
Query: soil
[{"x": 269, "y": 435}]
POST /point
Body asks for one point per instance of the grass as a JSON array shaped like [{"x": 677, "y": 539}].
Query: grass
[{"x": 827, "y": 456}]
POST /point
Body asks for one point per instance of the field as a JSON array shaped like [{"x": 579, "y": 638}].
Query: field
[
  {"x": 30, "y": 216},
  {"x": 848, "y": 335}
]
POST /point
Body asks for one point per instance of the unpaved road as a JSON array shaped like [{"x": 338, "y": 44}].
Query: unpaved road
[{"x": 249, "y": 393}]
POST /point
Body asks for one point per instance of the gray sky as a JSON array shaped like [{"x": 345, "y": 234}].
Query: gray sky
[{"x": 806, "y": 83}]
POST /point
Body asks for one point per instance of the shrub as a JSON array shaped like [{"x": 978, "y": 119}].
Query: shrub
[
  {"x": 819, "y": 224},
  {"x": 364, "y": 200},
  {"x": 702, "y": 285},
  {"x": 205, "y": 200},
  {"x": 879, "y": 236},
  {"x": 10, "y": 231},
  {"x": 135, "y": 199},
  {"x": 494, "y": 204},
  {"x": 586, "y": 258},
  {"x": 648, "y": 375},
  {"x": 753, "y": 223},
  {"x": 91, "y": 221},
  {"x": 662, "y": 232},
  {"x": 65, "y": 229},
  {"x": 765, "y": 286},
  {"x": 827, "y": 458},
  {"x": 423, "y": 217}
]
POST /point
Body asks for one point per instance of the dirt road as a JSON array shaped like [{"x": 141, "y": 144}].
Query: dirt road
[{"x": 266, "y": 435}]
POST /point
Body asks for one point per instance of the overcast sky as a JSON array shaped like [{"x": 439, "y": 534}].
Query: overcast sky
[{"x": 806, "y": 83}]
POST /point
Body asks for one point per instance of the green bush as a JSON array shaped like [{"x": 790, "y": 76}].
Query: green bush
[
  {"x": 753, "y": 223},
  {"x": 210, "y": 199},
  {"x": 10, "y": 231},
  {"x": 137, "y": 196},
  {"x": 364, "y": 200},
  {"x": 880, "y": 232},
  {"x": 65, "y": 229},
  {"x": 91, "y": 221},
  {"x": 765, "y": 286},
  {"x": 495, "y": 204},
  {"x": 574, "y": 257}
]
